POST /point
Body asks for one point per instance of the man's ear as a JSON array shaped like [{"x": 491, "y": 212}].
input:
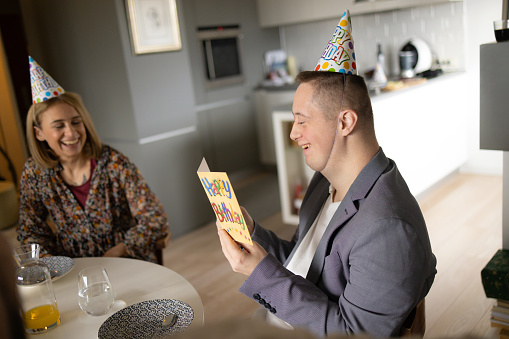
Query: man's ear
[
  {"x": 38, "y": 134},
  {"x": 347, "y": 121}
]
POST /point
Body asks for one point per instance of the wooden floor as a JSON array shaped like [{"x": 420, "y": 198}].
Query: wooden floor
[{"x": 464, "y": 218}]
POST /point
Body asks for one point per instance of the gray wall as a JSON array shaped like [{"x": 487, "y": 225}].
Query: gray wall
[
  {"x": 145, "y": 105},
  {"x": 227, "y": 113}
]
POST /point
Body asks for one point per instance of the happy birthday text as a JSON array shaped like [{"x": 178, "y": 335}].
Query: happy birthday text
[{"x": 219, "y": 187}]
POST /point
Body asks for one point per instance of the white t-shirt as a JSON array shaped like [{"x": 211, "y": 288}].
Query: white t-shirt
[{"x": 301, "y": 260}]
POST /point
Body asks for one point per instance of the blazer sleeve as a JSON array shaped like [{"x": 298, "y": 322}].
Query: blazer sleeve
[{"x": 274, "y": 245}]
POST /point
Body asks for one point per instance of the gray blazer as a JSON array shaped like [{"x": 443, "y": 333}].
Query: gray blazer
[{"x": 372, "y": 266}]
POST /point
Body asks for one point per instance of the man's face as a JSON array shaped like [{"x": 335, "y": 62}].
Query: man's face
[{"x": 311, "y": 129}]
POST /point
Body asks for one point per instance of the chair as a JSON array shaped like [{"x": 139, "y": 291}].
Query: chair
[
  {"x": 160, "y": 245},
  {"x": 415, "y": 323},
  {"x": 9, "y": 210}
]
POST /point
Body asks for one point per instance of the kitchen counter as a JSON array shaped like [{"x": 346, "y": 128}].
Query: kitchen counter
[{"x": 428, "y": 82}]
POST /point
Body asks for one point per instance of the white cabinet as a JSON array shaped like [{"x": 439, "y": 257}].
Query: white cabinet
[
  {"x": 291, "y": 168},
  {"x": 422, "y": 128},
  {"x": 286, "y": 12}
]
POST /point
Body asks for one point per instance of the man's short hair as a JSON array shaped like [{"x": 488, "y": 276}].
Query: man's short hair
[
  {"x": 42, "y": 154},
  {"x": 328, "y": 92}
]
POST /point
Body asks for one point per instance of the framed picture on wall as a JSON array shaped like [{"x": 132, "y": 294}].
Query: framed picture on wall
[{"x": 153, "y": 26}]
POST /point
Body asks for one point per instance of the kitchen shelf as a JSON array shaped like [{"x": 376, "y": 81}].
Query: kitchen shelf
[
  {"x": 291, "y": 167},
  {"x": 265, "y": 101}
]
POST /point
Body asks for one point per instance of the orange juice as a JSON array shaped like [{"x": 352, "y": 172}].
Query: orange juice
[{"x": 41, "y": 318}]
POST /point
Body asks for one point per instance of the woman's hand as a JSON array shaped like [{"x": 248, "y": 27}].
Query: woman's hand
[{"x": 116, "y": 251}]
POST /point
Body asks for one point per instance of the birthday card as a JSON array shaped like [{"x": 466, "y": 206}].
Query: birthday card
[{"x": 224, "y": 203}]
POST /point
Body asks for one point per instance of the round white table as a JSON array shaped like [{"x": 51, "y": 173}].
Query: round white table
[{"x": 133, "y": 281}]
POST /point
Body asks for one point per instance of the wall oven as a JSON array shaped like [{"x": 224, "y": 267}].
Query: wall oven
[{"x": 221, "y": 55}]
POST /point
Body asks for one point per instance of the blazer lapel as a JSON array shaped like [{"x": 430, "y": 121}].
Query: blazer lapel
[{"x": 347, "y": 209}]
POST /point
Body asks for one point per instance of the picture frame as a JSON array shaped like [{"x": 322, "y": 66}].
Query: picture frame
[{"x": 153, "y": 26}]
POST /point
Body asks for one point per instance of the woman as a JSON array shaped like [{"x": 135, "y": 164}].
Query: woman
[{"x": 94, "y": 198}]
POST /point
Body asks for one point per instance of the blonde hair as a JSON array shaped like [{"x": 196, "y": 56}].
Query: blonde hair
[{"x": 42, "y": 154}]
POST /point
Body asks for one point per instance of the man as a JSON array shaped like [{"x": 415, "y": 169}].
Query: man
[{"x": 361, "y": 258}]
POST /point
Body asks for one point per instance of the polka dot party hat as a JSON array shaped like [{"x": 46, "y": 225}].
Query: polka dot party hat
[
  {"x": 339, "y": 55},
  {"x": 43, "y": 85}
]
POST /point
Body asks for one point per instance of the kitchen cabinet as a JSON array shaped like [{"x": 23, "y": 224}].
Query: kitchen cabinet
[
  {"x": 265, "y": 100},
  {"x": 422, "y": 128},
  {"x": 228, "y": 136},
  {"x": 287, "y": 12},
  {"x": 291, "y": 167}
]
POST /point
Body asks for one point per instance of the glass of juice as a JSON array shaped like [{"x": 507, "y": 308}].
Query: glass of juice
[
  {"x": 38, "y": 302},
  {"x": 95, "y": 292}
]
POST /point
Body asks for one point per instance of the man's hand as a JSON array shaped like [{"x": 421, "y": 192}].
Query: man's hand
[
  {"x": 243, "y": 258},
  {"x": 116, "y": 251}
]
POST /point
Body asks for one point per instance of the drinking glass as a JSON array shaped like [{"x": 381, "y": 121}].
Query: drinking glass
[
  {"x": 95, "y": 293},
  {"x": 501, "y": 30},
  {"x": 26, "y": 253}
]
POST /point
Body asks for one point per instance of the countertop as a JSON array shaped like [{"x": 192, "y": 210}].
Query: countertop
[
  {"x": 385, "y": 94},
  {"x": 412, "y": 84}
]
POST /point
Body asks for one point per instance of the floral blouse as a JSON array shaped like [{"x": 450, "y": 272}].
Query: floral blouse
[{"x": 120, "y": 208}]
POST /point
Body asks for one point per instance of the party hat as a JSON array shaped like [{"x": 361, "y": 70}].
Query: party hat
[
  {"x": 43, "y": 85},
  {"x": 339, "y": 55}
]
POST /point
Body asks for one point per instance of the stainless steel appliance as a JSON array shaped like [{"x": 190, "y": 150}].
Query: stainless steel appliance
[
  {"x": 221, "y": 54},
  {"x": 415, "y": 57}
]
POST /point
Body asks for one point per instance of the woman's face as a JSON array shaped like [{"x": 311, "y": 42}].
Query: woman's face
[{"x": 62, "y": 128}]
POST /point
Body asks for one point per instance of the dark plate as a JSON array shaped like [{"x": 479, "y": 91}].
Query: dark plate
[
  {"x": 58, "y": 266},
  {"x": 144, "y": 320}
]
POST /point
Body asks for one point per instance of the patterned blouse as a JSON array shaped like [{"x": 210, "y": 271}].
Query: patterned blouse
[{"x": 120, "y": 208}]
